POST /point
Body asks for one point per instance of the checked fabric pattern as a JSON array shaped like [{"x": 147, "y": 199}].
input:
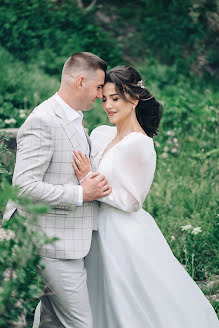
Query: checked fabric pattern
[{"x": 43, "y": 171}]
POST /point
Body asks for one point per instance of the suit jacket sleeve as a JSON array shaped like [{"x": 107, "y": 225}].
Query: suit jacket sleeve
[{"x": 35, "y": 147}]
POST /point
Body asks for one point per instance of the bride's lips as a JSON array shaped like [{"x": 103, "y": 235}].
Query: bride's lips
[{"x": 110, "y": 113}]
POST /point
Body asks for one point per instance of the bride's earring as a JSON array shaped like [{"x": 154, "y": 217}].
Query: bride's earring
[{"x": 133, "y": 107}]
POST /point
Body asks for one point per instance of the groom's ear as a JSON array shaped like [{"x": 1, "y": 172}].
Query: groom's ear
[{"x": 80, "y": 81}]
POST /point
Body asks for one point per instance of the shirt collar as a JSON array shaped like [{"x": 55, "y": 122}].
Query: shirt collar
[{"x": 70, "y": 112}]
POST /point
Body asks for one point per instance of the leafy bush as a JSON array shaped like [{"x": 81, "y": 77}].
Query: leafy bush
[
  {"x": 22, "y": 87},
  {"x": 20, "y": 284},
  {"x": 48, "y": 32},
  {"x": 180, "y": 33}
]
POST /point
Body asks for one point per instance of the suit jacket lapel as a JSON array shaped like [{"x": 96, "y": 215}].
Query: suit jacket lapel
[
  {"x": 88, "y": 140},
  {"x": 77, "y": 140}
]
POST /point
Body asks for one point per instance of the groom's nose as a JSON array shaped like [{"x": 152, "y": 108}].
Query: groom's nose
[{"x": 100, "y": 93}]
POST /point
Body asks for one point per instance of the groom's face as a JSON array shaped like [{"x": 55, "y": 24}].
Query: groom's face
[{"x": 93, "y": 89}]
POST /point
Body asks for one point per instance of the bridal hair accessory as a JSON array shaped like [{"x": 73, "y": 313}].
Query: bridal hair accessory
[{"x": 140, "y": 84}]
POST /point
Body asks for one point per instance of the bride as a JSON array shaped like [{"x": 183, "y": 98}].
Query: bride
[{"x": 134, "y": 280}]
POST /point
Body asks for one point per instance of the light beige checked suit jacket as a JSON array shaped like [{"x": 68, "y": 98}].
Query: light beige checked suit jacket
[{"x": 43, "y": 171}]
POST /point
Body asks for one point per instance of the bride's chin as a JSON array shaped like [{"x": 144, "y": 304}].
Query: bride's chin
[{"x": 112, "y": 120}]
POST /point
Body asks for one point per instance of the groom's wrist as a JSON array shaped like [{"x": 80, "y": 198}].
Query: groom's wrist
[{"x": 80, "y": 181}]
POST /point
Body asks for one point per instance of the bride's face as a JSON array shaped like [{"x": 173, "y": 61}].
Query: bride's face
[{"x": 116, "y": 108}]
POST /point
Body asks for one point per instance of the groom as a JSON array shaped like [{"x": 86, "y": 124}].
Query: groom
[{"x": 44, "y": 172}]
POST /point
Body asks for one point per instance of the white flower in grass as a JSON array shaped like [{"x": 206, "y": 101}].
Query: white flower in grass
[
  {"x": 175, "y": 140},
  {"x": 6, "y": 234},
  {"x": 174, "y": 150},
  {"x": 9, "y": 274},
  {"x": 173, "y": 238},
  {"x": 170, "y": 133},
  {"x": 196, "y": 230},
  {"x": 10, "y": 121},
  {"x": 186, "y": 227},
  {"x": 22, "y": 113},
  {"x": 164, "y": 155},
  {"x": 166, "y": 149},
  {"x": 157, "y": 144}
]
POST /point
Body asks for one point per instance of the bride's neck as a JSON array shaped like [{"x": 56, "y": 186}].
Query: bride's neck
[{"x": 127, "y": 126}]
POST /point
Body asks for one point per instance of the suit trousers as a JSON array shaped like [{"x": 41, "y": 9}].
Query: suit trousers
[{"x": 65, "y": 303}]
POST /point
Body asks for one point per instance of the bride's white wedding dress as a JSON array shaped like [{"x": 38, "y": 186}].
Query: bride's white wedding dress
[{"x": 134, "y": 280}]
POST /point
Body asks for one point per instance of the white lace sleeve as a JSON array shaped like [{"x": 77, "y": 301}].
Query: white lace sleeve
[{"x": 129, "y": 169}]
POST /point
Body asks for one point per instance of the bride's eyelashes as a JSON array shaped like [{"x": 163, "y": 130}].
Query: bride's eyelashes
[{"x": 114, "y": 99}]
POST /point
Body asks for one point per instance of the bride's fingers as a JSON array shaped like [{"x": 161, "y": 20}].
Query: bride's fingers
[
  {"x": 78, "y": 161},
  {"x": 75, "y": 168},
  {"x": 77, "y": 155},
  {"x": 80, "y": 156},
  {"x": 87, "y": 159}
]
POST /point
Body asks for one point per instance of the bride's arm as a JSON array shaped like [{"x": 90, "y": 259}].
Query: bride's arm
[{"x": 131, "y": 174}]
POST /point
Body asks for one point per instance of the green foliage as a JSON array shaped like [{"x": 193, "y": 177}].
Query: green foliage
[
  {"x": 22, "y": 87},
  {"x": 48, "y": 32},
  {"x": 20, "y": 283},
  {"x": 180, "y": 33},
  {"x": 3, "y": 152}
]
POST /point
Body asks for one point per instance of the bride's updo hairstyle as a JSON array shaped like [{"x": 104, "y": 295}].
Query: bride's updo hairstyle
[{"x": 128, "y": 82}]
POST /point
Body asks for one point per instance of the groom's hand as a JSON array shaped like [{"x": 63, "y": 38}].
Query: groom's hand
[{"x": 95, "y": 186}]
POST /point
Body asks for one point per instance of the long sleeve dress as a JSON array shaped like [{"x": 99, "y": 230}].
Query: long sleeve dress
[{"x": 134, "y": 280}]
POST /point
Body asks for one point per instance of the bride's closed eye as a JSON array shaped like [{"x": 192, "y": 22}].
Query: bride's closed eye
[{"x": 114, "y": 99}]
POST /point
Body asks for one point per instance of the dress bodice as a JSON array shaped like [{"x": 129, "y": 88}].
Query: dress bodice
[{"x": 129, "y": 166}]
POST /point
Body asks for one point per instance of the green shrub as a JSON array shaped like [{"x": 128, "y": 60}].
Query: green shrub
[
  {"x": 22, "y": 87},
  {"x": 20, "y": 284},
  {"x": 48, "y": 32}
]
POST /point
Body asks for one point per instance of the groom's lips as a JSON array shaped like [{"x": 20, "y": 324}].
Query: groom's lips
[{"x": 111, "y": 113}]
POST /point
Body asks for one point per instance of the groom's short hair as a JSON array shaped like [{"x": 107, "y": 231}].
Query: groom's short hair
[{"x": 82, "y": 62}]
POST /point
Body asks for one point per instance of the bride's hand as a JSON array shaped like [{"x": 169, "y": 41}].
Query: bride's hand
[{"x": 81, "y": 164}]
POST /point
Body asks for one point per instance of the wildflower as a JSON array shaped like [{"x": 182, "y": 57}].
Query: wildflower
[
  {"x": 6, "y": 234},
  {"x": 186, "y": 227},
  {"x": 165, "y": 149},
  {"x": 196, "y": 230},
  {"x": 8, "y": 274},
  {"x": 170, "y": 133},
  {"x": 157, "y": 144},
  {"x": 22, "y": 113},
  {"x": 164, "y": 155},
  {"x": 10, "y": 121},
  {"x": 175, "y": 140},
  {"x": 174, "y": 150},
  {"x": 173, "y": 238}
]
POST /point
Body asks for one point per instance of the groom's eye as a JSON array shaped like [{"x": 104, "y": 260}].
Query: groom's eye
[{"x": 115, "y": 99}]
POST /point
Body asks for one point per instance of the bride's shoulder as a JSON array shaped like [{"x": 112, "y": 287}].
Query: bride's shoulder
[
  {"x": 138, "y": 139},
  {"x": 139, "y": 144},
  {"x": 105, "y": 131}
]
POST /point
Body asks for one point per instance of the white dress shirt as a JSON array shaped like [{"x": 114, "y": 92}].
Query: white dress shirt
[{"x": 76, "y": 117}]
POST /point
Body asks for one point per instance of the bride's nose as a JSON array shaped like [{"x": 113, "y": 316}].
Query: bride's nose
[{"x": 108, "y": 104}]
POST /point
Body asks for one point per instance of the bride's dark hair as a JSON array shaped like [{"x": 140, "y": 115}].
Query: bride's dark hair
[{"x": 128, "y": 82}]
